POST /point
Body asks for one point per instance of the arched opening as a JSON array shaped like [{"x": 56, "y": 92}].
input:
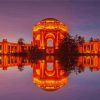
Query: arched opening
[
  {"x": 49, "y": 66},
  {"x": 50, "y": 43}
]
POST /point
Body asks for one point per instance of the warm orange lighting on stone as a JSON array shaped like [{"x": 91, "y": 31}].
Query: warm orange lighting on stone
[
  {"x": 92, "y": 47},
  {"x": 49, "y": 29},
  {"x": 47, "y": 35}
]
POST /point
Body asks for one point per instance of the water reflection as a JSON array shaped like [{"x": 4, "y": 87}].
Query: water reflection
[
  {"x": 51, "y": 73},
  {"x": 48, "y": 74},
  {"x": 91, "y": 62}
]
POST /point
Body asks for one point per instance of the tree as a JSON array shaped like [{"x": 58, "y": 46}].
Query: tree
[
  {"x": 68, "y": 46},
  {"x": 79, "y": 39},
  {"x": 21, "y": 67},
  {"x": 91, "y": 39},
  {"x": 68, "y": 53},
  {"x": 35, "y": 52},
  {"x": 20, "y": 41}
]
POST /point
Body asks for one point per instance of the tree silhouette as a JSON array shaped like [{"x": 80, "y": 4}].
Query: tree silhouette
[
  {"x": 20, "y": 41},
  {"x": 68, "y": 46},
  {"x": 79, "y": 39},
  {"x": 91, "y": 39}
]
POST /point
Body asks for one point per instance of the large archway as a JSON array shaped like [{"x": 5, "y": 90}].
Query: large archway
[{"x": 50, "y": 43}]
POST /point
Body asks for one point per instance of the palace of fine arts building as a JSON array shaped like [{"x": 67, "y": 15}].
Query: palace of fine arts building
[{"x": 47, "y": 34}]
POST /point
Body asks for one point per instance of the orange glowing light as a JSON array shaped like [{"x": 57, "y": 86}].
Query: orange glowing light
[
  {"x": 49, "y": 28},
  {"x": 48, "y": 76}
]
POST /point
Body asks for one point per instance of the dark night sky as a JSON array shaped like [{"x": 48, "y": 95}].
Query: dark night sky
[{"x": 18, "y": 16}]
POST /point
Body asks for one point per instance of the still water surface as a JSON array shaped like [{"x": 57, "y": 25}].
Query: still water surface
[{"x": 47, "y": 79}]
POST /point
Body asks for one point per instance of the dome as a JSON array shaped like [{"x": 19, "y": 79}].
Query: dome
[
  {"x": 50, "y": 23},
  {"x": 50, "y": 19}
]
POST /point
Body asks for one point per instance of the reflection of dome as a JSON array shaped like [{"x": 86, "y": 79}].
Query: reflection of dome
[
  {"x": 50, "y": 23},
  {"x": 49, "y": 75},
  {"x": 50, "y": 84}
]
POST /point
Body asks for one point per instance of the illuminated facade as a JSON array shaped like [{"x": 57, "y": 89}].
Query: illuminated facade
[
  {"x": 92, "y": 47},
  {"x": 47, "y": 35}
]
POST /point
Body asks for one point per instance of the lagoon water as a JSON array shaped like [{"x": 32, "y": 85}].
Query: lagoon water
[{"x": 47, "y": 79}]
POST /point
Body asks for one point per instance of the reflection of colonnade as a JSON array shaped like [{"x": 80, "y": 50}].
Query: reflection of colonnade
[
  {"x": 90, "y": 61},
  {"x": 47, "y": 73},
  {"x": 12, "y": 61},
  {"x": 8, "y": 61}
]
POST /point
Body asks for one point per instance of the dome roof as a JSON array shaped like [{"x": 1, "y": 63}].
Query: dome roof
[
  {"x": 50, "y": 23},
  {"x": 50, "y": 19}
]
